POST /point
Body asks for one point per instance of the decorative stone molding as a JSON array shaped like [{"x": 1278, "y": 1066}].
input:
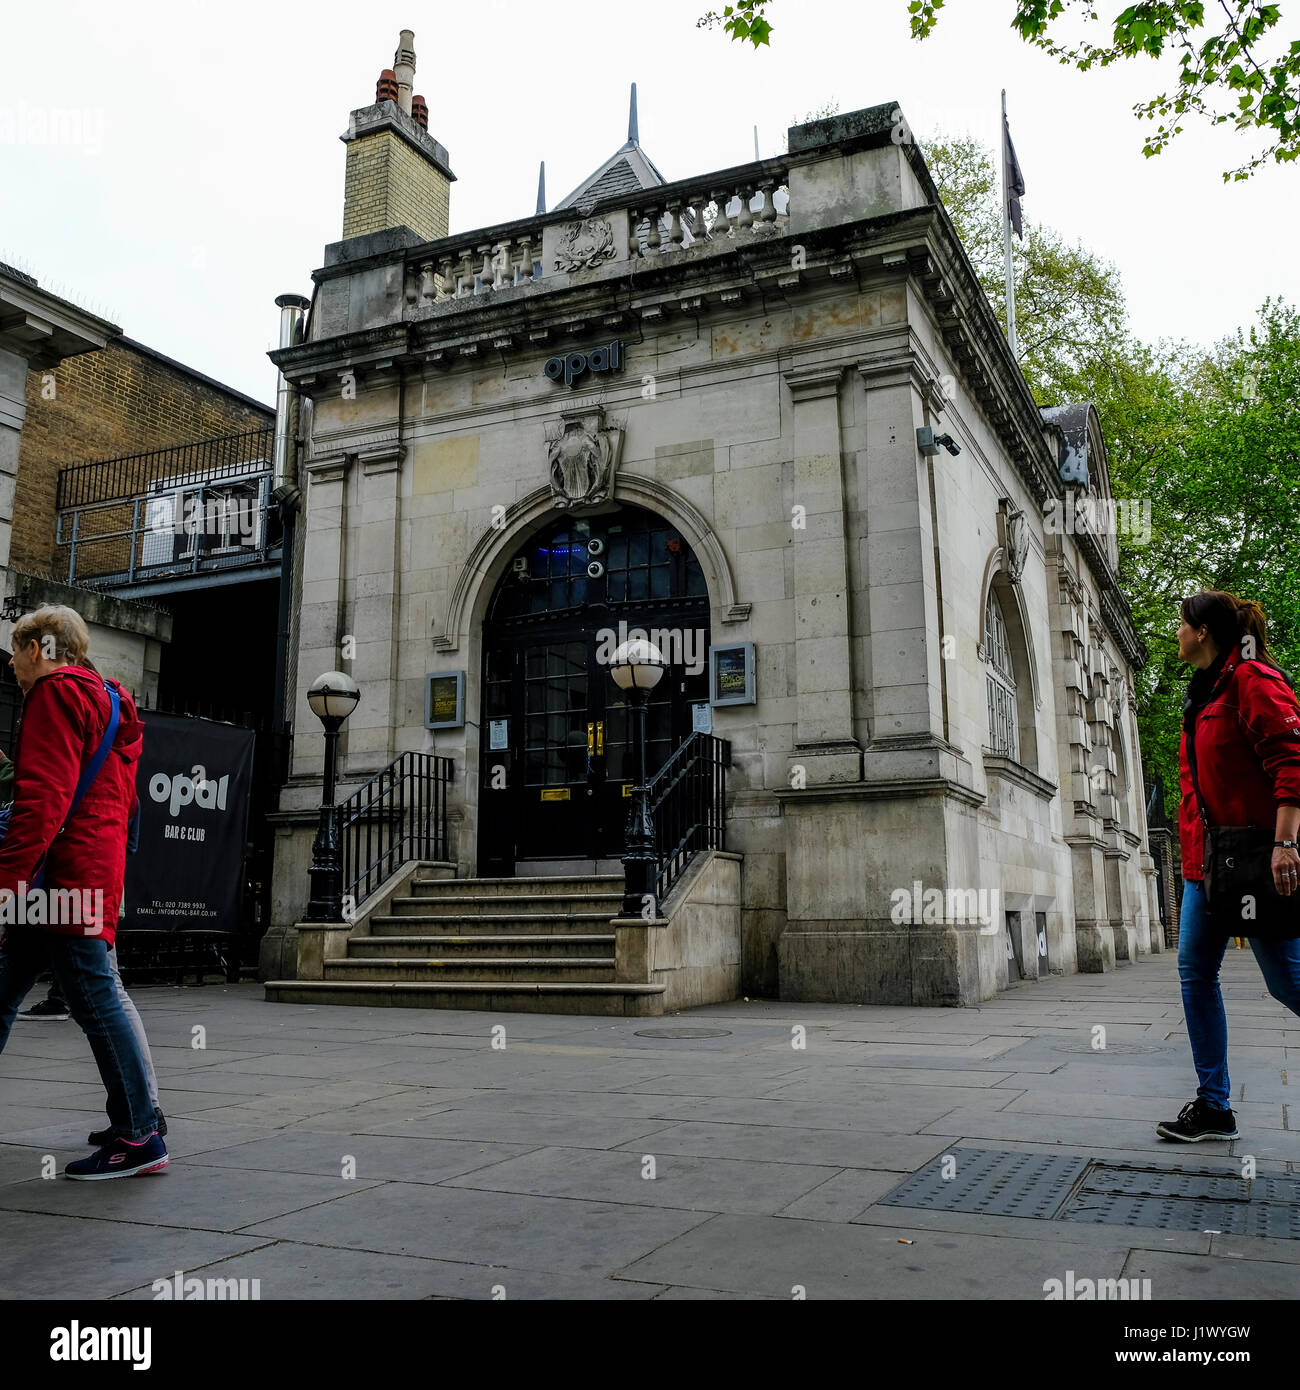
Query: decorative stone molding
[
  {"x": 327, "y": 468},
  {"x": 814, "y": 383},
  {"x": 1013, "y": 534},
  {"x": 490, "y": 553},
  {"x": 382, "y": 455},
  {"x": 585, "y": 245},
  {"x": 1007, "y": 768},
  {"x": 582, "y": 453}
]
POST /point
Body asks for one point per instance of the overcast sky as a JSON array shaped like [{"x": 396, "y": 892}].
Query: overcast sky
[{"x": 208, "y": 176}]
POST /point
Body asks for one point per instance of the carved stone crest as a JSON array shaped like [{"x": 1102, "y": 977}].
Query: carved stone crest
[
  {"x": 585, "y": 245},
  {"x": 582, "y": 453},
  {"x": 1014, "y": 534}
]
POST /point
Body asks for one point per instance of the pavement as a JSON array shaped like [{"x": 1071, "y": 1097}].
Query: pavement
[{"x": 409, "y": 1154}]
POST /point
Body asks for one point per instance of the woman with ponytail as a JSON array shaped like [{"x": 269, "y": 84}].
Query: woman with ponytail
[{"x": 1239, "y": 764}]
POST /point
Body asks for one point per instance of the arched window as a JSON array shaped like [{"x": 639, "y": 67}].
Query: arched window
[{"x": 1004, "y": 719}]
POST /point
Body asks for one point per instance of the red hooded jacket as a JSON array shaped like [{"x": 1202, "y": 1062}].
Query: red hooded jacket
[
  {"x": 1247, "y": 756},
  {"x": 64, "y": 717}
]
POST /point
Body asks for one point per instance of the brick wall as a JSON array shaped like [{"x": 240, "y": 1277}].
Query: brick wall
[
  {"x": 123, "y": 400},
  {"x": 388, "y": 184}
]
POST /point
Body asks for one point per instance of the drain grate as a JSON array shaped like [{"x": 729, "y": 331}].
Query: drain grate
[
  {"x": 992, "y": 1182},
  {"x": 1071, "y": 1187},
  {"x": 1195, "y": 1199},
  {"x": 1121, "y": 1049},
  {"x": 683, "y": 1032}
]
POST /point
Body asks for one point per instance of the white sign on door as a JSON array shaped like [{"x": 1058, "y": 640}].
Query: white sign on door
[{"x": 499, "y": 733}]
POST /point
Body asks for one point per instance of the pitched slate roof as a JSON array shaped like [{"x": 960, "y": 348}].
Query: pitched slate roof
[{"x": 627, "y": 170}]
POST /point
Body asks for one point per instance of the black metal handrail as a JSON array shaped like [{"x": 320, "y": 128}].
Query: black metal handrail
[
  {"x": 688, "y": 804},
  {"x": 203, "y": 460},
  {"x": 400, "y": 814}
]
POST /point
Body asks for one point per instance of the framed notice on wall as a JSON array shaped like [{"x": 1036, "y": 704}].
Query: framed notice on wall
[
  {"x": 444, "y": 700},
  {"x": 731, "y": 674}
]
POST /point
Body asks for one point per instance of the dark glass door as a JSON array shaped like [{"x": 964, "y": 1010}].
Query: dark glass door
[{"x": 557, "y": 760}]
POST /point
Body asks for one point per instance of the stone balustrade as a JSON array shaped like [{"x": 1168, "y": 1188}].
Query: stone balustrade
[
  {"x": 719, "y": 209},
  {"x": 676, "y": 217}
]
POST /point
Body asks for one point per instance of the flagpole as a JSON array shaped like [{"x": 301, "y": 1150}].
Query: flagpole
[{"x": 1006, "y": 235}]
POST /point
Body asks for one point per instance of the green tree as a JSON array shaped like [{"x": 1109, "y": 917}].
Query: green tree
[
  {"x": 1233, "y": 68},
  {"x": 1210, "y": 438}
]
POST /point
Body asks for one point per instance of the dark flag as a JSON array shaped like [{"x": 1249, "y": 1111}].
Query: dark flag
[{"x": 1015, "y": 180}]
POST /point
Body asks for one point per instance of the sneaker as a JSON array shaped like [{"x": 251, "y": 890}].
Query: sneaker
[
  {"x": 47, "y": 1008},
  {"x": 120, "y": 1158},
  {"x": 100, "y": 1137},
  {"x": 1200, "y": 1120}
]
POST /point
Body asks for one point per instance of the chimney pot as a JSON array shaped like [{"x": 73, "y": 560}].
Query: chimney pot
[
  {"x": 420, "y": 111},
  {"x": 386, "y": 87}
]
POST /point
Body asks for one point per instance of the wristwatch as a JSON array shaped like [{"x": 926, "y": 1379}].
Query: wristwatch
[{"x": 1285, "y": 844}]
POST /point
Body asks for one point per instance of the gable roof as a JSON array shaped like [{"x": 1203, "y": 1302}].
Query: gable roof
[{"x": 627, "y": 170}]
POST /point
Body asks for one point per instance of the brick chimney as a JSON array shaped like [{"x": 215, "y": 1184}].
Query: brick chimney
[{"x": 397, "y": 175}]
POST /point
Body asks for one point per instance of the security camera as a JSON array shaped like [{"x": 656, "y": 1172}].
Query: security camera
[{"x": 948, "y": 443}]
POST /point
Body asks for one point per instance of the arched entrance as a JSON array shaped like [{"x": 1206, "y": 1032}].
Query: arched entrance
[{"x": 556, "y": 767}]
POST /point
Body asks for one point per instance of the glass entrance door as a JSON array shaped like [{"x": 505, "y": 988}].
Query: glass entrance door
[{"x": 557, "y": 760}]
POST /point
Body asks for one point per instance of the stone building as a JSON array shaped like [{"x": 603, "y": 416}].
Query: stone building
[{"x": 767, "y": 413}]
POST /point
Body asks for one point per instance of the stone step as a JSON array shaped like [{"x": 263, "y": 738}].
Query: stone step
[
  {"x": 458, "y": 947},
  {"x": 497, "y": 969},
  {"x": 580, "y": 884},
  {"x": 605, "y": 1000},
  {"x": 451, "y": 905},
  {"x": 491, "y": 923}
]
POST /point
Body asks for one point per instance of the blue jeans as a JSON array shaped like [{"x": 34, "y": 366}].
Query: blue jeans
[
  {"x": 1200, "y": 954},
  {"x": 87, "y": 980}
]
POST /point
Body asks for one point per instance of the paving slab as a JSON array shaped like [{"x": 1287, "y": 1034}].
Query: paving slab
[
  {"x": 372, "y": 1157},
  {"x": 524, "y": 1232},
  {"x": 535, "y": 1131},
  {"x": 191, "y": 1195},
  {"x": 778, "y": 1255},
  {"x": 1197, "y": 1277},
  {"x": 44, "y": 1256},
  {"x": 835, "y": 1148},
  {"x": 290, "y": 1270},
  {"x": 680, "y": 1181}
]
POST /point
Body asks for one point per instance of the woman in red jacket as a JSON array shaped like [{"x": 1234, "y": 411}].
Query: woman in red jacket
[
  {"x": 64, "y": 858},
  {"x": 1243, "y": 715}
]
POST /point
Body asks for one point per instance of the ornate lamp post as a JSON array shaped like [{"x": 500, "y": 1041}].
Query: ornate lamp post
[
  {"x": 637, "y": 667},
  {"x": 332, "y": 698}
]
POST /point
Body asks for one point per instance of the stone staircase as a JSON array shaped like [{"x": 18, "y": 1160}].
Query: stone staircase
[{"x": 523, "y": 945}]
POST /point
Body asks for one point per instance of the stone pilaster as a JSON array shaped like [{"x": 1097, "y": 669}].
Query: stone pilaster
[
  {"x": 324, "y": 579},
  {"x": 376, "y": 580},
  {"x": 825, "y": 747}
]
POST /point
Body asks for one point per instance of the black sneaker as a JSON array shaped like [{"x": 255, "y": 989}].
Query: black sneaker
[
  {"x": 1199, "y": 1120},
  {"x": 100, "y": 1137},
  {"x": 120, "y": 1159},
  {"x": 47, "y": 1008}
]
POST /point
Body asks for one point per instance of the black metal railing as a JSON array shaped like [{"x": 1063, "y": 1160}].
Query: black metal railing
[
  {"x": 400, "y": 814},
  {"x": 688, "y": 804},
  {"x": 189, "y": 509},
  {"x": 204, "y": 460}
]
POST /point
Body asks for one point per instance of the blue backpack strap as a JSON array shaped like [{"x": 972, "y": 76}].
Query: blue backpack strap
[
  {"x": 101, "y": 753},
  {"x": 90, "y": 772}
]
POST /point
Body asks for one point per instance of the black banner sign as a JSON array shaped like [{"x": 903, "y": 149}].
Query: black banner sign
[{"x": 193, "y": 781}]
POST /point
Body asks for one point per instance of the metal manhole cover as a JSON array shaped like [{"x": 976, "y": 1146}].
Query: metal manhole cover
[
  {"x": 683, "y": 1032},
  {"x": 1121, "y": 1047},
  {"x": 1186, "y": 1199},
  {"x": 992, "y": 1182}
]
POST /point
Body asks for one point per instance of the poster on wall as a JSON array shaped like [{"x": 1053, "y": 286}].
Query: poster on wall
[{"x": 193, "y": 780}]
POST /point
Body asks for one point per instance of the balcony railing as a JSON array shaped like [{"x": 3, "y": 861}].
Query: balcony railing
[{"x": 191, "y": 509}]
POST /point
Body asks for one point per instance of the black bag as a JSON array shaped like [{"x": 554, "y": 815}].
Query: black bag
[{"x": 1239, "y": 891}]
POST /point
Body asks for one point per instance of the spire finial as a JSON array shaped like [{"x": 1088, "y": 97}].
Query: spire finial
[
  {"x": 632, "y": 136},
  {"x": 541, "y": 188}
]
